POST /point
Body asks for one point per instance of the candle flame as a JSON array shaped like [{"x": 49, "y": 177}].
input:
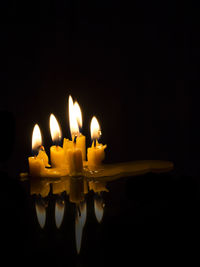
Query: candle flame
[
  {"x": 55, "y": 129},
  {"x": 98, "y": 208},
  {"x": 78, "y": 113},
  {"x": 36, "y": 138},
  {"x": 59, "y": 212},
  {"x": 95, "y": 128},
  {"x": 73, "y": 115}
]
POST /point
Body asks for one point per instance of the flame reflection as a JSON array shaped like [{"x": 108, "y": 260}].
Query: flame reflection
[
  {"x": 40, "y": 207},
  {"x": 99, "y": 207},
  {"x": 80, "y": 220},
  {"x": 59, "y": 211},
  {"x": 69, "y": 189}
]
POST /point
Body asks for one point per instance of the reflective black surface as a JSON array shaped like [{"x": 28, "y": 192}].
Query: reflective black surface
[{"x": 147, "y": 218}]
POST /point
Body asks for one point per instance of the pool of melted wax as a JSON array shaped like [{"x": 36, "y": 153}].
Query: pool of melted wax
[
  {"x": 133, "y": 168},
  {"x": 111, "y": 171}
]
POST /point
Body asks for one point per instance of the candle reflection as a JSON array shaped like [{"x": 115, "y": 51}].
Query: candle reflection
[
  {"x": 40, "y": 206},
  {"x": 59, "y": 211},
  {"x": 73, "y": 191},
  {"x": 80, "y": 220},
  {"x": 76, "y": 189},
  {"x": 99, "y": 207}
]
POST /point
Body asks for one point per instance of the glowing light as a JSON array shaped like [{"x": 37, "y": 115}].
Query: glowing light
[
  {"x": 59, "y": 212},
  {"x": 73, "y": 123},
  {"x": 98, "y": 208},
  {"x": 36, "y": 138},
  {"x": 41, "y": 213},
  {"x": 81, "y": 214},
  {"x": 55, "y": 129},
  {"x": 95, "y": 128}
]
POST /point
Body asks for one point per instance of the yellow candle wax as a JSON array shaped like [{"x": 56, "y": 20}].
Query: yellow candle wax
[
  {"x": 97, "y": 186},
  {"x": 42, "y": 155},
  {"x": 67, "y": 144},
  {"x": 36, "y": 166},
  {"x": 57, "y": 157},
  {"x": 37, "y": 163},
  {"x": 54, "y": 173},
  {"x": 39, "y": 187},
  {"x": 81, "y": 144},
  {"x": 61, "y": 186},
  {"x": 95, "y": 153},
  {"x": 74, "y": 157},
  {"x": 76, "y": 194},
  {"x": 56, "y": 152}
]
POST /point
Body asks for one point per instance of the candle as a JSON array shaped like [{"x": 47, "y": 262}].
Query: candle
[
  {"x": 56, "y": 152},
  {"x": 95, "y": 153},
  {"x": 38, "y": 162},
  {"x": 75, "y": 121},
  {"x": 73, "y": 153}
]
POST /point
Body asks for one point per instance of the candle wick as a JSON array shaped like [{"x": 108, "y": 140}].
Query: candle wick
[
  {"x": 75, "y": 137},
  {"x": 95, "y": 142}
]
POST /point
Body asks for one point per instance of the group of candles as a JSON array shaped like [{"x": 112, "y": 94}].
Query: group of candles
[{"x": 69, "y": 159}]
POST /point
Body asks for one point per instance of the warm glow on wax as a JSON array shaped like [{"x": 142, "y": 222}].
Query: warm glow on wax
[
  {"x": 55, "y": 129},
  {"x": 36, "y": 138},
  {"x": 95, "y": 129},
  {"x": 73, "y": 123}
]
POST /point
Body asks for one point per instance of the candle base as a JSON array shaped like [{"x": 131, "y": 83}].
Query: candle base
[{"x": 108, "y": 172}]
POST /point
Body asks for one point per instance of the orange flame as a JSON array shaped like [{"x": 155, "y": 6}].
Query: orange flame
[
  {"x": 95, "y": 128},
  {"x": 74, "y": 129},
  {"x": 55, "y": 129},
  {"x": 75, "y": 117},
  {"x": 36, "y": 138},
  {"x": 78, "y": 114}
]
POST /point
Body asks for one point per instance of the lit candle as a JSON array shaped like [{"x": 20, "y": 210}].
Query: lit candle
[
  {"x": 38, "y": 162},
  {"x": 73, "y": 153},
  {"x": 95, "y": 153},
  {"x": 75, "y": 121},
  {"x": 56, "y": 152}
]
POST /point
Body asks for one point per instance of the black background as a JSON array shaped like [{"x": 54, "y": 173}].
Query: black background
[{"x": 134, "y": 66}]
